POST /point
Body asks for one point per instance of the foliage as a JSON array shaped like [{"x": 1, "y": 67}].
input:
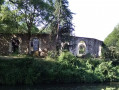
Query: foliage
[
  {"x": 65, "y": 68},
  {"x": 33, "y": 12},
  {"x": 1, "y": 2},
  {"x": 8, "y": 22},
  {"x": 111, "y": 50},
  {"x": 110, "y": 53},
  {"x": 62, "y": 21},
  {"x": 113, "y": 38}
]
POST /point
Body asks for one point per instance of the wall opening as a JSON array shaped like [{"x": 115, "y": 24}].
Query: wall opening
[
  {"x": 35, "y": 45},
  {"x": 81, "y": 48},
  {"x": 15, "y": 45}
]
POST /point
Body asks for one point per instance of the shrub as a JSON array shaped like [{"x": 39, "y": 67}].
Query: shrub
[{"x": 66, "y": 68}]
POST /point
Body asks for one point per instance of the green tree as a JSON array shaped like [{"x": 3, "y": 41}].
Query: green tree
[
  {"x": 8, "y": 21},
  {"x": 34, "y": 12},
  {"x": 1, "y": 2},
  {"x": 63, "y": 17},
  {"x": 112, "y": 43},
  {"x": 113, "y": 38},
  {"x": 62, "y": 22}
]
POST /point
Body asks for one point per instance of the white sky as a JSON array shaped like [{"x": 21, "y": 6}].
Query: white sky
[{"x": 94, "y": 18}]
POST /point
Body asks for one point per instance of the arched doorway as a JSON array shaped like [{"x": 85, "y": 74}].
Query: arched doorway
[
  {"x": 35, "y": 45},
  {"x": 81, "y": 48},
  {"x": 14, "y": 46}
]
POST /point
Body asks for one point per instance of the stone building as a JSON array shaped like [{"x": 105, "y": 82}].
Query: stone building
[{"x": 77, "y": 45}]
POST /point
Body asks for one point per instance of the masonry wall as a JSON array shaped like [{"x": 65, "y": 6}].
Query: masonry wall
[
  {"x": 4, "y": 44},
  {"x": 5, "y": 40},
  {"x": 46, "y": 41},
  {"x": 92, "y": 45}
]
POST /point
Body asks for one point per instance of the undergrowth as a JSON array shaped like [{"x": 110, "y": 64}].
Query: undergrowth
[{"x": 65, "y": 68}]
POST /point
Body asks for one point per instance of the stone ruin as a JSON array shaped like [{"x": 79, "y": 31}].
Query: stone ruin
[
  {"x": 42, "y": 43},
  {"x": 80, "y": 46}
]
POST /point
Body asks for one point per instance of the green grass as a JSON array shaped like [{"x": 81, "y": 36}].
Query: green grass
[{"x": 65, "y": 68}]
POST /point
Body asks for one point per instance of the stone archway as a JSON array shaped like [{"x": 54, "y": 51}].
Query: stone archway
[{"x": 81, "y": 49}]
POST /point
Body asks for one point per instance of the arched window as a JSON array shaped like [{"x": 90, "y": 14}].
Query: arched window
[{"x": 81, "y": 48}]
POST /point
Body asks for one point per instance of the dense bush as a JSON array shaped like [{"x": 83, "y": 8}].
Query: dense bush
[
  {"x": 110, "y": 52},
  {"x": 66, "y": 68}
]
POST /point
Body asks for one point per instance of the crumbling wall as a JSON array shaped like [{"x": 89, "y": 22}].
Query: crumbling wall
[
  {"x": 48, "y": 42},
  {"x": 92, "y": 45},
  {"x": 5, "y": 40},
  {"x": 4, "y": 43}
]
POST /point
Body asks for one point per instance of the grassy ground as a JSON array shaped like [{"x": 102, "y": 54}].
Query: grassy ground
[{"x": 65, "y": 68}]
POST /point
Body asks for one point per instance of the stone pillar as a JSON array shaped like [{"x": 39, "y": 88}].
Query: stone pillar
[
  {"x": 40, "y": 45},
  {"x": 99, "y": 52},
  {"x": 19, "y": 48},
  {"x": 10, "y": 47}
]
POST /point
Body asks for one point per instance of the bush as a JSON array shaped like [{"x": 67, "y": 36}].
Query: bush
[{"x": 66, "y": 68}]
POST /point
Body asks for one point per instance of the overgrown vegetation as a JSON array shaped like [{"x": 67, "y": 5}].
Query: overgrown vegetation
[
  {"x": 24, "y": 16},
  {"x": 111, "y": 48},
  {"x": 65, "y": 68}
]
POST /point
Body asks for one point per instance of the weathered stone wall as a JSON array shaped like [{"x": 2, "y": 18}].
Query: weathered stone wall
[
  {"x": 92, "y": 45},
  {"x": 5, "y": 40},
  {"x": 4, "y": 43}
]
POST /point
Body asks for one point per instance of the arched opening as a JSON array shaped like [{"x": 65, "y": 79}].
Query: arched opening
[
  {"x": 81, "y": 48},
  {"x": 66, "y": 46},
  {"x": 35, "y": 46},
  {"x": 15, "y": 44}
]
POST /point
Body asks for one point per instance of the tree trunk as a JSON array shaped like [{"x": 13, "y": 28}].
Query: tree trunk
[
  {"x": 29, "y": 37},
  {"x": 57, "y": 35},
  {"x": 58, "y": 41}
]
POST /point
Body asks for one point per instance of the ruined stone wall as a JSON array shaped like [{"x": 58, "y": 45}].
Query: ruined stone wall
[
  {"x": 5, "y": 40},
  {"x": 92, "y": 45},
  {"x": 46, "y": 41},
  {"x": 4, "y": 44}
]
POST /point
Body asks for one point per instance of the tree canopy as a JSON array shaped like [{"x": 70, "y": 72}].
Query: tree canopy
[
  {"x": 33, "y": 12},
  {"x": 113, "y": 38},
  {"x": 1, "y": 2},
  {"x": 8, "y": 21},
  {"x": 27, "y": 15},
  {"x": 63, "y": 16},
  {"x": 111, "y": 49}
]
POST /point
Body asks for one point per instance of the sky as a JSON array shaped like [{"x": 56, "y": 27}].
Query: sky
[{"x": 94, "y": 18}]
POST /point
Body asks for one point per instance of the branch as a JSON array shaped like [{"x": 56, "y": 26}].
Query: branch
[
  {"x": 13, "y": 2},
  {"x": 50, "y": 21}
]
